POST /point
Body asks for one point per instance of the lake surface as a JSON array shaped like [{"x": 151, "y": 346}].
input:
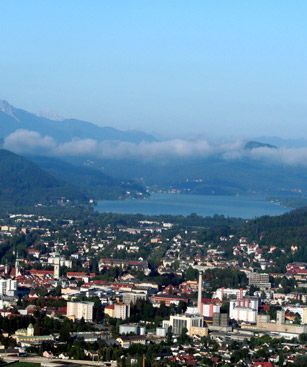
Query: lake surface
[{"x": 205, "y": 205}]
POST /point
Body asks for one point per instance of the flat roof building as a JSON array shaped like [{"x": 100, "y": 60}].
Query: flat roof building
[{"x": 79, "y": 310}]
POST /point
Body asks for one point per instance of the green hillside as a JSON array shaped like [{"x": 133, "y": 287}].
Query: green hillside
[
  {"x": 24, "y": 183},
  {"x": 93, "y": 182}
]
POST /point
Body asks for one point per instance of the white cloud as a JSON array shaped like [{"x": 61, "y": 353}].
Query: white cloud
[
  {"x": 78, "y": 147},
  {"x": 31, "y": 142},
  {"x": 25, "y": 141}
]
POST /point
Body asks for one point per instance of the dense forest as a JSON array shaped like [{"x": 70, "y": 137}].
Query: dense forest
[
  {"x": 93, "y": 182},
  {"x": 282, "y": 231},
  {"x": 23, "y": 183}
]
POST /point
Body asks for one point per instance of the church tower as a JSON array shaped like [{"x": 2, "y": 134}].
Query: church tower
[
  {"x": 56, "y": 266},
  {"x": 17, "y": 268},
  {"x": 6, "y": 269}
]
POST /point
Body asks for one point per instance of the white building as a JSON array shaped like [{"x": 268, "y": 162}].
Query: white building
[
  {"x": 209, "y": 309},
  {"x": 63, "y": 261},
  {"x": 79, "y": 310},
  {"x": 56, "y": 267},
  {"x": 244, "y": 309},
  {"x": 132, "y": 329},
  {"x": 128, "y": 329},
  {"x": 222, "y": 293},
  {"x": 118, "y": 311},
  {"x": 121, "y": 311},
  {"x": 161, "y": 332},
  {"x": 133, "y": 296},
  {"x": 243, "y": 314},
  {"x": 180, "y": 322},
  {"x": 8, "y": 287}
]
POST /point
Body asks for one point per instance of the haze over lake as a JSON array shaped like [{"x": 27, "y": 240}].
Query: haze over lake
[{"x": 204, "y": 205}]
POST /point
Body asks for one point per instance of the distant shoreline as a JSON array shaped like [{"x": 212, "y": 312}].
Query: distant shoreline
[{"x": 186, "y": 204}]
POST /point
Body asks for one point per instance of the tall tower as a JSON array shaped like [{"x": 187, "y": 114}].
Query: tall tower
[
  {"x": 200, "y": 293},
  {"x": 17, "y": 270},
  {"x": 6, "y": 268},
  {"x": 56, "y": 266}
]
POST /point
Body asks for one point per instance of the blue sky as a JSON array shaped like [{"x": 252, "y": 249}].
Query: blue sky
[{"x": 181, "y": 68}]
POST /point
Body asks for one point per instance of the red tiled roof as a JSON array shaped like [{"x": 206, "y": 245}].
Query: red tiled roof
[
  {"x": 211, "y": 300},
  {"x": 263, "y": 364},
  {"x": 41, "y": 272},
  {"x": 110, "y": 307}
]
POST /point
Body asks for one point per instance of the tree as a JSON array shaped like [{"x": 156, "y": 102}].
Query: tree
[
  {"x": 191, "y": 274},
  {"x": 64, "y": 333},
  {"x": 77, "y": 350},
  {"x": 281, "y": 359},
  {"x": 183, "y": 337},
  {"x": 297, "y": 320},
  {"x": 303, "y": 338},
  {"x": 169, "y": 336},
  {"x": 300, "y": 361},
  {"x": 204, "y": 340}
]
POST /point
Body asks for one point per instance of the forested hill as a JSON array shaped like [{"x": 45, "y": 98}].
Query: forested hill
[
  {"x": 283, "y": 231},
  {"x": 23, "y": 183},
  {"x": 93, "y": 182}
]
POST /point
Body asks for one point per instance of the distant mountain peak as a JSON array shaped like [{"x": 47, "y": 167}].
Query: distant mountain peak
[
  {"x": 250, "y": 145},
  {"x": 50, "y": 115},
  {"x": 6, "y": 108},
  {"x": 62, "y": 130}
]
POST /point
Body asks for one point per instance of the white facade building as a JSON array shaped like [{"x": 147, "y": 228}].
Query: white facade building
[
  {"x": 121, "y": 311},
  {"x": 244, "y": 309},
  {"x": 79, "y": 310},
  {"x": 221, "y": 293},
  {"x": 161, "y": 332},
  {"x": 8, "y": 287},
  {"x": 180, "y": 322}
]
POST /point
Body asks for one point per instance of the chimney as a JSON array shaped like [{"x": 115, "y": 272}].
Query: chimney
[{"x": 200, "y": 293}]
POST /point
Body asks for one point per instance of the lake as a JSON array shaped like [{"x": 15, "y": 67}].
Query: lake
[{"x": 204, "y": 205}]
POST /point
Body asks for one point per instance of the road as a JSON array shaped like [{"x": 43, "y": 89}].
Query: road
[{"x": 49, "y": 361}]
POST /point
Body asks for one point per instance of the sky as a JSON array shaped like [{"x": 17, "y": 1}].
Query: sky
[{"x": 177, "y": 68}]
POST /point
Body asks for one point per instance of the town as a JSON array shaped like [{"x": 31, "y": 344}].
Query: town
[{"x": 129, "y": 291}]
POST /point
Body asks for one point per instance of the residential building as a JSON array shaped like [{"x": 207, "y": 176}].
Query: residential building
[
  {"x": 168, "y": 299},
  {"x": 244, "y": 309},
  {"x": 284, "y": 329},
  {"x": 132, "y": 329},
  {"x": 181, "y": 322},
  {"x": 260, "y": 280},
  {"x": 8, "y": 287},
  {"x": 79, "y": 310},
  {"x": 132, "y": 297},
  {"x": 118, "y": 311},
  {"x": 222, "y": 293}
]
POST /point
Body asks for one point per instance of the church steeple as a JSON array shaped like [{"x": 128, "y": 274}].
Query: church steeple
[
  {"x": 6, "y": 268},
  {"x": 56, "y": 265},
  {"x": 17, "y": 270}
]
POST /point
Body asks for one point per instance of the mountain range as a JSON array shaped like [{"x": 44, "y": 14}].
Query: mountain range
[
  {"x": 80, "y": 177},
  {"x": 12, "y": 119},
  {"x": 212, "y": 176}
]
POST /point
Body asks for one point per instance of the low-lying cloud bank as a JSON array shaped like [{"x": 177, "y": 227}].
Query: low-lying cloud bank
[{"x": 30, "y": 142}]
